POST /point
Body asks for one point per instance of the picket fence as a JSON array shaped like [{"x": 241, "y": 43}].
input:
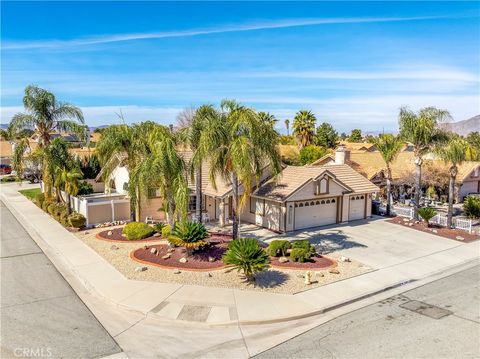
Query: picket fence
[{"x": 460, "y": 223}]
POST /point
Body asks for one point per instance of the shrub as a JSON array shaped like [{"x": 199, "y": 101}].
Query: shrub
[
  {"x": 63, "y": 218},
  {"x": 76, "y": 220},
  {"x": 39, "y": 199},
  {"x": 189, "y": 235},
  {"x": 427, "y": 213},
  {"x": 51, "y": 209},
  {"x": 85, "y": 188},
  {"x": 471, "y": 207},
  {"x": 299, "y": 255},
  {"x": 246, "y": 255},
  {"x": 137, "y": 230},
  {"x": 311, "y": 153},
  {"x": 158, "y": 227},
  {"x": 278, "y": 248},
  {"x": 45, "y": 205},
  {"x": 304, "y": 244},
  {"x": 166, "y": 230}
]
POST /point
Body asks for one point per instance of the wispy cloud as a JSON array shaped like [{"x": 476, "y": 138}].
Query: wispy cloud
[{"x": 94, "y": 40}]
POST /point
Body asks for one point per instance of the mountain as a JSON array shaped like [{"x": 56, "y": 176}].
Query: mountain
[{"x": 464, "y": 127}]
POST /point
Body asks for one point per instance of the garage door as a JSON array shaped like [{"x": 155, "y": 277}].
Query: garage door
[
  {"x": 314, "y": 213},
  {"x": 357, "y": 207}
]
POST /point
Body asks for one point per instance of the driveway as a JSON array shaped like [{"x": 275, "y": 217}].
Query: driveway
[{"x": 375, "y": 242}]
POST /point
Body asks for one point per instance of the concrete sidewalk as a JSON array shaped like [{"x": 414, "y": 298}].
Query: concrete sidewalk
[{"x": 217, "y": 306}]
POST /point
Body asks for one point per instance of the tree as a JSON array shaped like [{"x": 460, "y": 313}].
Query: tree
[
  {"x": 311, "y": 153},
  {"x": 473, "y": 139},
  {"x": 355, "y": 135},
  {"x": 304, "y": 127},
  {"x": 267, "y": 118},
  {"x": 162, "y": 167},
  {"x": 238, "y": 146},
  {"x": 287, "y": 125},
  {"x": 343, "y": 136},
  {"x": 185, "y": 117},
  {"x": 421, "y": 130},
  {"x": 453, "y": 153},
  {"x": 326, "y": 136},
  {"x": 55, "y": 156},
  {"x": 389, "y": 147},
  {"x": 45, "y": 114},
  {"x": 68, "y": 179}
]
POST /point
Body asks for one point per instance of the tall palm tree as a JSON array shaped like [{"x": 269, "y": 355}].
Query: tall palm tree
[
  {"x": 304, "y": 126},
  {"x": 45, "y": 114},
  {"x": 389, "y": 147},
  {"x": 165, "y": 169},
  {"x": 238, "y": 146},
  {"x": 267, "y": 118},
  {"x": 421, "y": 129},
  {"x": 287, "y": 125},
  {"x": 455, "y": 152},
  {"x": 54, "y": 156},
  {"x": 69, "y": 179}
]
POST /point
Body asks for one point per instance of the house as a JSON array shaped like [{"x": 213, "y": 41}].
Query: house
[
  {"x": 6, "y": 152},
  {"x": 372, "y": 166}
]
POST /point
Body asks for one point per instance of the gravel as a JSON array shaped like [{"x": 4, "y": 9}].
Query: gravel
[{"x": 274, "y": 280}]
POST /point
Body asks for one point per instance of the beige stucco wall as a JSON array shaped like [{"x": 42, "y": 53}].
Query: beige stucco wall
[{"x": 150, "y": 208}]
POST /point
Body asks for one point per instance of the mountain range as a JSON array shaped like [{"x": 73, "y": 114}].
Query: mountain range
[{"x": 464, "y": 127}]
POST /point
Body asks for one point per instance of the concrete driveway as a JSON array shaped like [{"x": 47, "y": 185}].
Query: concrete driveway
[{"x": 374, "y": 242}]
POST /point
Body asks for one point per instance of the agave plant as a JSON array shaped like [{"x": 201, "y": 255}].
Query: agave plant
[
  {"x": 190, "y": 235},
  {"x": 427, "y": 213},
  {"x": 247, "y": 256}
]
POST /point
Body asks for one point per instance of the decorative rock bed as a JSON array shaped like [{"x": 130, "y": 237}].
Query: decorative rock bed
[
  {"x": 315, "y": 263},
  {"x": 116, "y": 235}
]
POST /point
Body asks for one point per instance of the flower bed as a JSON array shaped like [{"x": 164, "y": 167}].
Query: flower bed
[
  {"x": 117, "y": 236},
  {"x": 455, "y": 234}
]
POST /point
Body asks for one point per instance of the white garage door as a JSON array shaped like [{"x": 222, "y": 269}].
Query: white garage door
[
  {"x": 357, "y": 207},
  {"x": 313, "y": 213}
]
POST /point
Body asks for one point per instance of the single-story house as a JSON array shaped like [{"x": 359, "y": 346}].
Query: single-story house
[{"x": 6, "y": 152}]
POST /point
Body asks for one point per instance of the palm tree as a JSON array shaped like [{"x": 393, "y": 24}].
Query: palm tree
[
  {"x": 54, "y": 156},
  {"x": 287, "y": 125},
  {"x": 454, "y": 153},
  {"x": 267, "y": 118},
  {"x": 389, "y": 147},
  {"x": 238, "y": 146},
  {"x": 421, "y": 129},
  {"x": 165, "y": 169},
  {"x": 69, "y": 179},
  {"x": 45, "y": 114},
  {"x": 304, "y": 126}
]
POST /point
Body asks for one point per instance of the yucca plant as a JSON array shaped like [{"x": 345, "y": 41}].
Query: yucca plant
[
  {"x": 246, "y": 255},
  {"x": 427, "y": 213},
  {"x": 190, "y": 235}
]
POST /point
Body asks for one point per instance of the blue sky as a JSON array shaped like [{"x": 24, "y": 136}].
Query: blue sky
[{"x": 352, "y": 63}]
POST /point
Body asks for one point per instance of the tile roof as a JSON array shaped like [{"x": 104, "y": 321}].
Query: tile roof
[{"x": 5, "y": 149}]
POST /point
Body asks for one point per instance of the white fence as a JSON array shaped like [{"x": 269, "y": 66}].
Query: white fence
[
  {"x": 460, "y": 223},
  {"x": 403, "y": 212}
]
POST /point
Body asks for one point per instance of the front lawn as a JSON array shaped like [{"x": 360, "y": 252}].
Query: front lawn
[{"x": 30, "y": 193}]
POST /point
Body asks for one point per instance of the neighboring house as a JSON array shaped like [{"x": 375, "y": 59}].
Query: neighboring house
[
  {"x": 372, "y": 166},
  {"x": 297, "y": 198},
  {"x": 6, "y": 152}
]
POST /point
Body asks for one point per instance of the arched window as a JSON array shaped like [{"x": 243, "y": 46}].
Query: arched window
[
  {"x": 300, "y": 205},
  {"x": 323, "y": 202},
  {"x": 328, "y": 201},
  {"x": 307, "y": 204},
  {"x": 296, "y": 205},
  {"x": 361, "y": 197},
  {"x": 352, "y": 198},
  {"x": 312, "y": 203},
  {"x": 317, "y": 203},
  {"x": 333, "y": 200}
]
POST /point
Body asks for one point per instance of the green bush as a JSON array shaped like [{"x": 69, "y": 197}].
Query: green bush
[
  {"x": 304, "y": 244},
  {"x": 311, "y": 153},
  {"x": 278, "y": 248},
  {"x": 137, "y": 230},
  {"x": 84, "y": 188},
  {"x": 51, "y": 209},
  {"x": 189, "y": 235},
  {"x": 299, "y": 255},
  {"x": 166, "y": 231},
  {"x": 76, "y": 220},
  {"x": 246, "y": 255},
  {"x": 471, "y": 207},
  {"x": 39, "y": 199},
  {"x": 427, "y": 213},
  {"x": 158, "y": 227},
  {"x": 63, "y": 219}
]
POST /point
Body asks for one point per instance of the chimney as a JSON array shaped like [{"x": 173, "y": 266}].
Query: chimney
[{"x": 341, "y": 154}]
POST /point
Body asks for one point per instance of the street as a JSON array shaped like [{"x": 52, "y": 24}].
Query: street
[
  {"x": 41, "y": 316},
  {"x": 394, "y": 328}
]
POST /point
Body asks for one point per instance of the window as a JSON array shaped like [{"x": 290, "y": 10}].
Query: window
[
  {"x": 257, "y": 205},
  {"x": 333, "y": 200},
  {"x": 352, "y": 198},
  {"x": 328, "y": 201},
  {"x": 312, "y": 203},
  {"x": 323, "y": 202},
  {"x": 290, "y": 213},
  {"x": 192, "y": 203},
  {"x": 321, "y": 186}
]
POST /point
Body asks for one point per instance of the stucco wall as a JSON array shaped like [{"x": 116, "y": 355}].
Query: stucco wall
[
  {"x": 308, "y": 191},
  {"x": 150, "y": 208},
  {"x": 120, "y": 177}
]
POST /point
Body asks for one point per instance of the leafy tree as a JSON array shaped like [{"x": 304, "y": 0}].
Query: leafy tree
[
  {"x": 343, "y": 136},
  {"x": 326, "y": 136},
  {"x": 421, "y": 130},
  {"x": 355, "y": 135},
  {"x": 473, "y": 140},
  {"x": 55, "y": 156},
  {"x": 267, "y": 118},
  {"x": 471, "y": 207},
  {"x": 454, "y": 153},
  {"x": 238, "y": 146},
  {"x": 69, "y": 179},
  {"x": 304, "y": 127},
  {"x": 287, "y": 126},
  {"x": 45, "y": 114},
  {"x": 311, "y": 153},
  {"x": 246, "y": 255},
  {"x": 389, "y": 147},
  {"x": 18, "y": 159},
  {"x": 287, "y": 140}
]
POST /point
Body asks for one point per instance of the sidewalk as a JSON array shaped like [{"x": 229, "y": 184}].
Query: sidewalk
[{"x": 215, "y": 306}]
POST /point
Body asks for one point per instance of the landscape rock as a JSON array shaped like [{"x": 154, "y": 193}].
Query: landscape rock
[
  {"x": 344, "y": 259},
  {"x": 166, "y": 256},
  {"x": 334, "y": 271},
  {"x": 171, "y": 250},
  {"x": 459, "y": 238},
  {"x": 86, "y": 232},
  {"x": 140, "y": 269},
  {"x": 114, "y": 247},
  {"x": 145, "y": 247},
  {"x": 156, "y": 234},
  {"x": 283, "y": 260},
  {"x": 434, "y": 231},
  {"x": 176, "y": 271},
  {"x": 183, "y": 260},
  {"x": 410, "y": 225},
  {"x": 406, "y": 220},
  {"x": 211, "y": 259},
  {"x": 109, "y": 233},
  {"x": 208, "y": 275},
  {"x": 154, "y": 250}
]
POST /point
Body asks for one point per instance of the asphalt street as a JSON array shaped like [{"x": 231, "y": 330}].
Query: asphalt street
[
  {"x": 41, "y": 316},
  {"x": 438, "y": 320}
]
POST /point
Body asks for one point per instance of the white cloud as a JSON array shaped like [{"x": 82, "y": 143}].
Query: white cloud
[{"x": 207, "y": 31}]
